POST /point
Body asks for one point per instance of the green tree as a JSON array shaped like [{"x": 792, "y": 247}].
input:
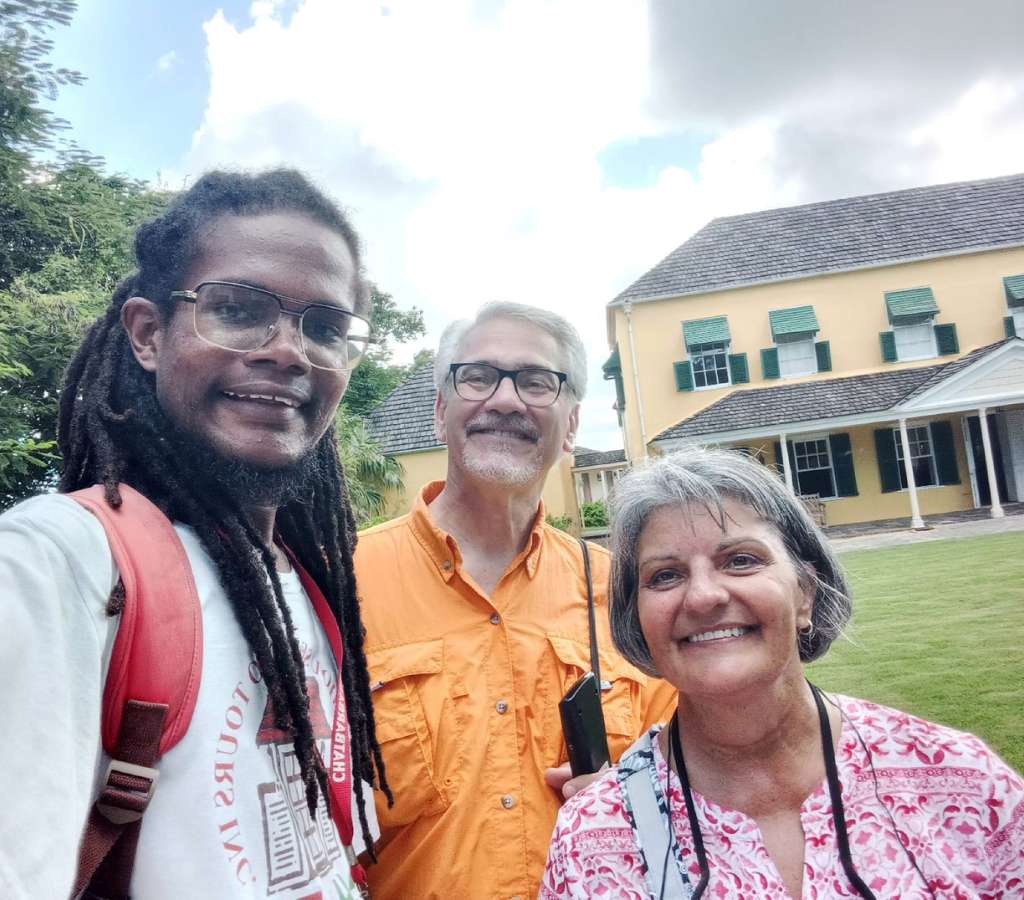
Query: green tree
[
  {"x": 377, "y": 376},
  {"x": 371, "y": 475},
  {"x": 28, "y": 130}
]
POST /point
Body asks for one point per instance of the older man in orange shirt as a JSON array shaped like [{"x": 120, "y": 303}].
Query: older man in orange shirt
[{"x": 477, "y": 624}]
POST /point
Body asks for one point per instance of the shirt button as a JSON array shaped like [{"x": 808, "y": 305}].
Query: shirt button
[
  {"x": 447, "y": 565},
  {"x": 495, "y": 619},
  {"x": 501, "y": 706},
  {"x": 508, "y": 801}
]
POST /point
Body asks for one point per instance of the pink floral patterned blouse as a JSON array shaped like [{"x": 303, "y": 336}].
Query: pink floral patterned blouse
[{"x": 957, "y": 808}]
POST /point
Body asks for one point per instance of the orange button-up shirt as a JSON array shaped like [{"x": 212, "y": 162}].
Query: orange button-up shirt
[{"x": 466, "y": 690}]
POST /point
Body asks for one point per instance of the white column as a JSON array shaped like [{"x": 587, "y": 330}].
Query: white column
[
  {"x": 604, "y": 487},
  {"x": 990, "y": 464},
  {"x": 916, "y": 522},
  {"x": 784, "y": 449}
]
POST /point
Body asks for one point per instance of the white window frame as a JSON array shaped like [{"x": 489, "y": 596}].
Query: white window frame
[
  {"x": 812, "y": 362},
  {"x": 702, "y": 351},
  {"x": 927, "y": 429},
  {"x": 807, "y": 439},
  {"x": 933, "y": 350},
  {"x": 1017, "y": 312}
]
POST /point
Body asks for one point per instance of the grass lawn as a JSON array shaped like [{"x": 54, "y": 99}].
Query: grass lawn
[{"x": 938, "y": 631}]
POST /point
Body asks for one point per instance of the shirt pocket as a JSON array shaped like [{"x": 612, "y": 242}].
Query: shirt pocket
[
  {"x": 621, "y": 693},
  {"x": 412, "y": 709}
]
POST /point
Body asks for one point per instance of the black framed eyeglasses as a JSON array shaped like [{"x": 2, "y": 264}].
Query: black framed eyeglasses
[
  {"x": 243, "y": 318},
  {"x": 479, "y": 381}
]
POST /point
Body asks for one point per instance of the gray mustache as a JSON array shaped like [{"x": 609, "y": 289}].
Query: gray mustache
[{"x": 515, "y": 423}]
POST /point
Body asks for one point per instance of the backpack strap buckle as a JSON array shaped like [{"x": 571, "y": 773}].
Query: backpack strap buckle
[{"x": 126, "y": 791}]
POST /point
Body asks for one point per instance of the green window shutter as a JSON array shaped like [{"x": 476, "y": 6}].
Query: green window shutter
[
  {"x": 888, "y": 341},
  {"x": 906, "y": 307},
  {"x": 842, "y": 464},
  {"x": 684, "y": 376},
  {"x": 738, "y": 370},
  {"x": 770, "y": 363},
  {"x": 888, "y": 464},
  {"x": 1010, "y": 327},
  {"x": 945, "y": 339},
  {"x": 620, "y": 392},
  {"x": 945, "y": 452},
  {"x": 824, "y": 354},
  {"x": 713, "y": 330}
]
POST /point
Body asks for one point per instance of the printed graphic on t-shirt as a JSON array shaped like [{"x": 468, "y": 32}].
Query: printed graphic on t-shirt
[{"x": 301, "y": 855}]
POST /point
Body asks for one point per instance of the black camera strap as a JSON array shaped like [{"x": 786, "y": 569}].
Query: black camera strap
[{"x": 595, "y": 663}]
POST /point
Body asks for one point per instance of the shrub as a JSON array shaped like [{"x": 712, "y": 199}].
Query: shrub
[
  {"x": 562, "y": 523},
  {"x": 595, "y": 515}
]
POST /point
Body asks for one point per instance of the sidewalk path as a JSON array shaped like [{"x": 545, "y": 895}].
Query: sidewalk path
[{"x": 952, "y": 531}]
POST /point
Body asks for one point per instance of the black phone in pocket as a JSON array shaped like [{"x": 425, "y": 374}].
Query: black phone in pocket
[{"x": 583, "y": 726}]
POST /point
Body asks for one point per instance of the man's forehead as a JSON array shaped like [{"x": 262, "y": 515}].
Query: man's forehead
[{"x": 509, "y": 344}]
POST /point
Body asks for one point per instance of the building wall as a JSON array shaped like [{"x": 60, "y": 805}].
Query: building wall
[
  {"x": 432, "y": 465},
  {"x": 870, "y": 503},
  {"x": 850, "y": 308}
]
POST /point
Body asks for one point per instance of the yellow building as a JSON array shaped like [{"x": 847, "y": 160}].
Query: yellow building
[
  {"x": 404, "y": 427},
  {"x": 869, "y": 347}
]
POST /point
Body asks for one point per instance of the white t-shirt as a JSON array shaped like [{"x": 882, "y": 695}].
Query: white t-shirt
[{"x": 228, "y": 818}]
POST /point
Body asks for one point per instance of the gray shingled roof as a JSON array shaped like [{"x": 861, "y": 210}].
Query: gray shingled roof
[
  {"x": 813, "y": 400},
  {"x": 405, "y": 420},
  {"x": 585, "y": 457},
  {"x": 853, "y": 233}
]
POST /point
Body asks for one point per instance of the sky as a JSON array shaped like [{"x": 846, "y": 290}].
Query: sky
[{"x": 549, "y": 151}]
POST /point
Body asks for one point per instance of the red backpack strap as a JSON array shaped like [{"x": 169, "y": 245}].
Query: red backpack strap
[{"x": 152, "y": 683}]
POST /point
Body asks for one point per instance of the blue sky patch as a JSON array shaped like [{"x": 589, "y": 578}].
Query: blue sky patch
[{"x": 637, "y": 162}]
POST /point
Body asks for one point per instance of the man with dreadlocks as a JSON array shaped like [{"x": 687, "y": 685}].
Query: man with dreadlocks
[
  {"x": 210, "y": 386},
  {"x": 478, "y": 621}
]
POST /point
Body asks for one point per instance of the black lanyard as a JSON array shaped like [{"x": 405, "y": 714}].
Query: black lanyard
[{"x": 834, "y": 792}]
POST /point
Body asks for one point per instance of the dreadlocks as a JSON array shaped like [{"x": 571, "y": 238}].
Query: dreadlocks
[{"x": 113, "y": 431}]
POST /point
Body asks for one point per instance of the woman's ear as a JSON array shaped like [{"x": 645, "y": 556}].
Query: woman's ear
[
  {"x": 145, "y": 329},
  {"x": 808, "y": 585}
]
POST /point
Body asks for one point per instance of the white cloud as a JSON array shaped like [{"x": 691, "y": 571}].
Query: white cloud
[
  {"x": 167, "y": 61},
  {"x": 466, "y": 139}
]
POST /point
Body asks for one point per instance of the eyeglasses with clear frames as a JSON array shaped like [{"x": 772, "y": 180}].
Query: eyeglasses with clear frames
[
  {"x": 479, "y": 381},
  {"x": 244, "y": 318}
]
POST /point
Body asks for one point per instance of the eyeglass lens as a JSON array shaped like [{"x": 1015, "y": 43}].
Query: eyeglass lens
[
  {"x": 241, "y": 318},
  {"x": 536, "y": 387}
]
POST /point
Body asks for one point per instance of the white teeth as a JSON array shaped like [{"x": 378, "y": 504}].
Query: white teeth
[
  {"x": 716, "y": 635},
  {"x": 273, "y": 398}
]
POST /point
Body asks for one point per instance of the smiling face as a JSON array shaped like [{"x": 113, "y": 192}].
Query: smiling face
[
  {"x": 502, "y": 440},
  {"x": 720, "y": 609},
  {"x": 266, "y": 407}
]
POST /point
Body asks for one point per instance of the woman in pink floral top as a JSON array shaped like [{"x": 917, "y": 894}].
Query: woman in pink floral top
[{"x": 723, "y": 586}]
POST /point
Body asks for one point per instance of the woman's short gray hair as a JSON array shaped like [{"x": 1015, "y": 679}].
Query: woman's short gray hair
[
  {"x": 566, "y": 337},
  {"x": 699, "y": 477}
]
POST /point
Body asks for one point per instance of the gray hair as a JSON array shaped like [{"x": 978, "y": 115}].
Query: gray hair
[
  {"x": 566, "y": 337},
  {"x": 699, "y": 477}
]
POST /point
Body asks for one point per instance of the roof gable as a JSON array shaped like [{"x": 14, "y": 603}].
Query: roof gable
[{"x": 838, "y": 235}]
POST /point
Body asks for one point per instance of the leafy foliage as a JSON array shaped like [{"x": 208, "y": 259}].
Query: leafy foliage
[
  {"x": 377, "y": 376},
  {"x": 562, "y": 523},
  {"x": 595, "y": 514},
  {"x": 371, "y": 474}
]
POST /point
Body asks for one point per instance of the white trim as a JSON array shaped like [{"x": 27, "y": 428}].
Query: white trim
[
  {"x": 816, "y": 273},
  {"x": 806, "y": 439},
  {"x": 602, "y": 466},
  {"x": 932, "y": 398}
]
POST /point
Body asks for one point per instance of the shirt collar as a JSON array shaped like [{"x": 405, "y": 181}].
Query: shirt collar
[{"x": 443, "y": 549}]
